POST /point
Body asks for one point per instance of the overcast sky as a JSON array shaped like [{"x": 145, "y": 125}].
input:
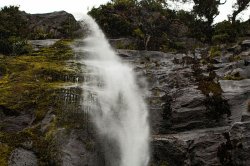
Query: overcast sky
[{"x": 79, "y": 7}]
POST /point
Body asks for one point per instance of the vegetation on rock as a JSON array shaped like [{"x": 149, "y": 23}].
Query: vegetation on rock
[
  {"x": 29, "y": 86},
  {"x": 215, "y": 51}
]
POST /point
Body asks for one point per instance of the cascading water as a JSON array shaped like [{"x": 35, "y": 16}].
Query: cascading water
[{"x": 114, "y": 100}]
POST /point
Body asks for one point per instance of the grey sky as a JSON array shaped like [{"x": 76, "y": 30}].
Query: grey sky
[{"x": 79, "y": 7}]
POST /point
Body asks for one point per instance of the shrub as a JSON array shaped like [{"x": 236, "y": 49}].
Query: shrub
[
  {"x": 19, "y": 46},
  {"x": 224, "y": 32},
  {"x": 215, "y": 51},
  {"x": 12, "y": 31},
  {"x": 221, "y": 38}
]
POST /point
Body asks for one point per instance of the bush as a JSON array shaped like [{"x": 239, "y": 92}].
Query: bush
[
  {"x": 12, "y": 31},
  {"x": 19, "y": 46},
  {"x": 221, "y": 38},
  {"x": 14, "y": 46}
]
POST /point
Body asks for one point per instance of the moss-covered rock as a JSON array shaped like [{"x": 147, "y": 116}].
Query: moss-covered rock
[
  {"x": 5, "y": 151},
  {"x": 31, "y": 85}
]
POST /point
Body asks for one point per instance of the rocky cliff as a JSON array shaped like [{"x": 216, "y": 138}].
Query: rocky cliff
[
  {"x": 198, "y": 102},
  {"x": 199, "y": 105}
]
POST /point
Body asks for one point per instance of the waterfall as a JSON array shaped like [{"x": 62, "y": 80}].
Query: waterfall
[{"x": 114, "y": 100}]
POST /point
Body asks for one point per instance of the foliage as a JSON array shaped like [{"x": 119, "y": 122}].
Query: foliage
[
  {"x": 155, "y": 27},
  {"x": 196, "y": 26},
  {"x": 224, "y": 32},
  {"x": 12, "y": 31},
  {"x": 145, "y": 20},
  {"x": 208, "y": 10},
  {"x": 239, "y": 6}
]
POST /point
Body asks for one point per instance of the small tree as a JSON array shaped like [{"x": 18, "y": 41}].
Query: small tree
[
  {"x": 239, "y": 6},
  {"x": 207, "y": 10}
]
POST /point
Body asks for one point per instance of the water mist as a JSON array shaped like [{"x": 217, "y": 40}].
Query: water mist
[{"x": 114, "y": 100}]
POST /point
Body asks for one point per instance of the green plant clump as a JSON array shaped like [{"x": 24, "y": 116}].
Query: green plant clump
[{"x": 214, "y": 51}]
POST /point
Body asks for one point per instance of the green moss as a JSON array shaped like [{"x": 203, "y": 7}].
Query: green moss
[
  {"x": 5, "y": 151},
  {"x": 41, "y": 145},
  {"x": 30, "y": 84},
  {"x": 59, "y": 51}
]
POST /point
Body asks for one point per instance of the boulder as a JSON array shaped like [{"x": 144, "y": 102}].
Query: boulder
[
  {"x": 52, "y": 25},
  {"x": 22, "y": 157}
]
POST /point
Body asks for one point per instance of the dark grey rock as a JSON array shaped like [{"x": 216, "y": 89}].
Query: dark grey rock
[
  {"x": 13, "y": 120},
  {"x": 183, "y": 133},
  {"x": 215, "y": 146}
]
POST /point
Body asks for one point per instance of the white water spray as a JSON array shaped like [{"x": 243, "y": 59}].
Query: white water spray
[{"x": 116, "y": 104}]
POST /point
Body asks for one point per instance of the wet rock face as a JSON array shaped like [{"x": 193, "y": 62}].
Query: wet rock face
[
  {"x": 198, "y": 106},
  {"x": 183, "y": 96}
]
